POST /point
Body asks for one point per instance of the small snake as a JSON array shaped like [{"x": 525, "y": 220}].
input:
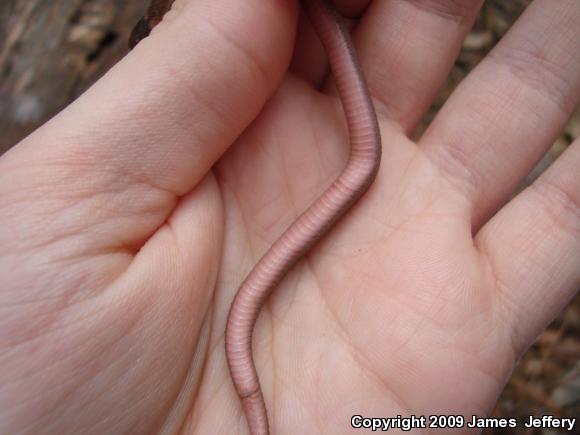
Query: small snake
[{"x": 317, "y": 220}]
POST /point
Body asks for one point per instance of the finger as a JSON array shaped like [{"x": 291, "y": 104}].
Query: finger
[
  {"x": 156, "y": 123},
  {"x": 309, "y": 60},
  {"x": 407, "y": 48},
  {"x": 504, "y": 116},
  {"x": 532, "y": 247}
]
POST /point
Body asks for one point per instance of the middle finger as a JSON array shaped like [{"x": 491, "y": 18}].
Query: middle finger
[{"x": 406, "y": 49}]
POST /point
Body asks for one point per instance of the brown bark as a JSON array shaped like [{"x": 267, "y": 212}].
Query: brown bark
[{"x": 51, "y": 51}]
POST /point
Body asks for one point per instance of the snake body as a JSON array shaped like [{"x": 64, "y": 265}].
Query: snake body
[{"x": 316, "y": 221}]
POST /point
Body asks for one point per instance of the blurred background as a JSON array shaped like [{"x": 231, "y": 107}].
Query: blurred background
[{"x": 51, "y": 51}]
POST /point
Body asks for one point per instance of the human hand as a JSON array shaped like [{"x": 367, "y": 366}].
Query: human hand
[{"x": 131, "y": 218}]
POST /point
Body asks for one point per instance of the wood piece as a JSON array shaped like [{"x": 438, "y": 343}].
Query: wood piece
[{"x": 50, "y": 52}]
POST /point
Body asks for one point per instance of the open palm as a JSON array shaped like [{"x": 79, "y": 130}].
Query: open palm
[{"x": 129, "y": 221}]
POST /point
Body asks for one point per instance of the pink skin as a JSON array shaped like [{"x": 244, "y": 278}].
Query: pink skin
[{"x": 352, "y": 183}]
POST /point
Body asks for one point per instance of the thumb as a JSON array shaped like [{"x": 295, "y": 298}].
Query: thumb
[{"x": 164, "y": 114}]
